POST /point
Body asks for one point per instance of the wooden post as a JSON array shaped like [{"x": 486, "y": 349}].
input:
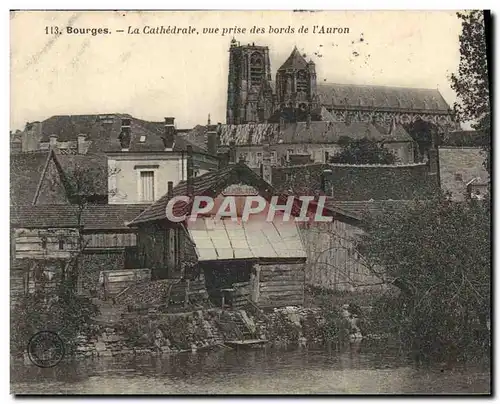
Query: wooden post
[
  {"x": 255, "y": 283},
  {"x": 186, "y": 298}
]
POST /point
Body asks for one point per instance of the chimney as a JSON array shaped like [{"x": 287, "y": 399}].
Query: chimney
[
  {"x": 125, "y": 134},
  {"x": 433, "y": 162},
  {"x": 170, "y": 132},
  {"x": 393, "y": 126},
  {"x": 266, "y": 171},
  {"x": 212, "y": 140},
  {"x": 232, "y": 152},
  {"x": 53, "y": 141},
  {"x": 190, "y": 169},
  {"x": 325, "y": 181},
  {"x": 82, "y": 143},
  {"x": 170, "y": 190},
  {"x": 31, "y": 136}
]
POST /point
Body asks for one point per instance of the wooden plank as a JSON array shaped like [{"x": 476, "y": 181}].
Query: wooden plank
[
  {"x": 282, "y": 283},
  {"x": 281, "y": 289},
  {"x": 279, "y": 295}
]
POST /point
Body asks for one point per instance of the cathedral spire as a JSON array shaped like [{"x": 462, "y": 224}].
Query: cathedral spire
[
  {"x": 208, "y": 120},
  {"x": 294, "y": 61}
]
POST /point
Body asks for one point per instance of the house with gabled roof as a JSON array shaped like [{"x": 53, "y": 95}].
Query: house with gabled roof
[{"x": 258, "y": 261}]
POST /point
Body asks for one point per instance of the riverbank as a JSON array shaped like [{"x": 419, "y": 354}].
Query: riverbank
[{"x": 367, "y": 367}]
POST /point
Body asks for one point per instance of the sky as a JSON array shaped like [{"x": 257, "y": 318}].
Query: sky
[{"x": 185, "y": 75}]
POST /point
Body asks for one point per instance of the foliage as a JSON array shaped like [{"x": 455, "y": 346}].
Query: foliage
[
  {"x": 471, "y": 82},
  {"x": 363, "y": 151},
  {"x": 62, "y": 312},
  {"x": 438, "y": 254}
]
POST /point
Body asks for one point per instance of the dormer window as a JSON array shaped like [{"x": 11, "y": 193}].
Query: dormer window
[{"x": 142, "y": 139}]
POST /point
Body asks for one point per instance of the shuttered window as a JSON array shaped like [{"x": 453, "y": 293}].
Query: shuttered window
[{"x": 147, "y": 186}]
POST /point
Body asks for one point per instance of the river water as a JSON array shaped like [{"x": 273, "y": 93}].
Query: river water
[{"x": 365, "y": 368}]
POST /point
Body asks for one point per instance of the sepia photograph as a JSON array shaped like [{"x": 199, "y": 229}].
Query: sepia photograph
[{"x": 250, "y": 202}]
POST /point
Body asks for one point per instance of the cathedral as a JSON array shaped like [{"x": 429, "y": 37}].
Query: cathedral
[{"x": 296, "y": 95}]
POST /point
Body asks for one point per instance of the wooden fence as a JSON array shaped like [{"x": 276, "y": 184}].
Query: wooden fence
[{"x": 115, "y": 281}]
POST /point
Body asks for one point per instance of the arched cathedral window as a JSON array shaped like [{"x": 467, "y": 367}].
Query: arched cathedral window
[
  {"x": 256, "y": 68},
  {"x": 302, "y": 81}
]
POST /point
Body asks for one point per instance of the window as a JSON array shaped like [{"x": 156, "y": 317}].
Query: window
[
  {"x": 458, "y": 177},
  {"x": 147, "y": 186},
  {"x": 274, "y": 158},
  {"x": 61, "y": 244},
  {"x": 256, "y": 69},
  {"x": 289, "y": 152},
  {"x": 259, "y": 158},
  {"x": 142, "y": 139},
  {"x": 327, "y": 157},
  {"x": 44, "y": 242},
  {"x": 302, "y": 81}
]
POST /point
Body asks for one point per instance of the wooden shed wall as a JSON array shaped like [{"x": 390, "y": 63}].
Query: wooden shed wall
[
  {"x": 332, "y": 259},
  {"x": 281, "y": 284}
]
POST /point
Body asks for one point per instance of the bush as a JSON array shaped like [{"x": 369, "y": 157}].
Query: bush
[{"x": 60, "y": 311}]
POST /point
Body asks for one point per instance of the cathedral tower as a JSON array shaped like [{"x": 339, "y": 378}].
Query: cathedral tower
[
  {"x": 249, "y": 92},
  {"x": 296, "y": 85}
]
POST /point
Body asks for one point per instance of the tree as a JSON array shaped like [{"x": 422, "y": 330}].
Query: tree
[
  {"x": 438, "y": 254},
  {"x": 363, "y": 151},
  {"x": 471, "y": 83}
]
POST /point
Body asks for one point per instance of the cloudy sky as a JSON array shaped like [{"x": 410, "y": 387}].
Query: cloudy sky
[{"x": 185, "y": 76}]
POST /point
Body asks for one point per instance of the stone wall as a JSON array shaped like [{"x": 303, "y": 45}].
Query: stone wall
[{"x": 159, "y": 334}]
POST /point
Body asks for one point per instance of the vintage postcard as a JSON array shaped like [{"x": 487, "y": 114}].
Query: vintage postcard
[{"x": 250, "y": 202}]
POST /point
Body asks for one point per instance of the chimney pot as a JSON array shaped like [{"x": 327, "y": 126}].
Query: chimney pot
[
  {"x": 170, "y": 190},
  {"x": 232, "y": 152},
  {"x": 81, "y": 143},
  {"x": 212, "y": 140},
  {"x": 190, "y": 171},
  {"x": 170, "y": 133},
  {"x": 53, "y": 141}
]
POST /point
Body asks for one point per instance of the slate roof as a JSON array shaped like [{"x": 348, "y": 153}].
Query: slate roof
[
  {"x": 294, "y": 61},
  {"x": 381, "y": 97},
  {"x": 301, "y": 132},
  {"x": 458, "y": 166},
  {"x": 94, "y": 217},
  {"x": 103, "y": 131},
  {"x": 25, "y": 173},
  {"x": 357, "y": 182}
]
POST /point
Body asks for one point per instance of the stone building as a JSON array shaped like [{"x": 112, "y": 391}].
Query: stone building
[{"x": 297, "y": 93}]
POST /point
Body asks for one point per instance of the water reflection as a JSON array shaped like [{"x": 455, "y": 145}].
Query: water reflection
[{"x": 358, "y": 368}]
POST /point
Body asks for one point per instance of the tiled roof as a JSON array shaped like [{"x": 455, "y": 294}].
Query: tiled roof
[
  {"x": 103, "y": 131},
  {"x": 315, "y": 132},
  {"x": 94, "y": 217},
  {"x": 458, "y": 166},
  {"x": 397, "y": 98},
  {"x": 294, "y": 61},
  {"x": 93, "y": 167},
  {"x": 25, "y": 173},
  {"x": 353, "y": 183}
]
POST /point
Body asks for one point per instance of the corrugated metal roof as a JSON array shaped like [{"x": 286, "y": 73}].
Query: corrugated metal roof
[{"x": 227, "y": 239}]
